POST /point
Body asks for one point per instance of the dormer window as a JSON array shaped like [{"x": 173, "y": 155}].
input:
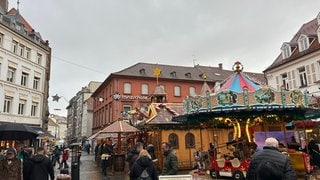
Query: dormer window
[
  {"x": 303, "y": 42},
  {"x": 187, "y": 75},
  {"x": 173, "y": 74},
  {"x": 142, "y": 71},
  {"x": 286, "y": 51}
]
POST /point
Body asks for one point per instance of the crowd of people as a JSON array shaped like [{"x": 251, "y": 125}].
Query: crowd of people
[
  {"x": 24, "y": 165},
  {"x": 141, "y": 160}
]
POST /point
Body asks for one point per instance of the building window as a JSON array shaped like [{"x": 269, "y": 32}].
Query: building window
[
  {"x": 10, "y": 75},
  {"x": 127, "y": 88},
  {"x": 28, "y": 53},
  {"x": 187, "y": 75},
  {"x": 7, "y": 104},
  {"x": 303, "y": 77},
  {"x": 39, "y": 58},
  {"x": 173, "y": 74},
  {"x": 34, "y": 109},
  {"x": 192, "y": 91},
  {"x": 144, "y": 89},
  {"x": 36, "y": 82},
  {"x": 21, "y": 50},
  {"x": 14, "y": 47},
  {"x": 177, "y": 91},
  {"x": 286, "y": 51},
  {"x": 126, "y": 109},
  {"x": 142, "y": 71},
  {"x": 303, "y": 43},
  {"x": 174, "y": 140},
  {"x": 24, "y": 79},
  {"x": 21, "y": 107},
  {"x": 190, "y": 141},
  {"x": 285, "y": 80}
]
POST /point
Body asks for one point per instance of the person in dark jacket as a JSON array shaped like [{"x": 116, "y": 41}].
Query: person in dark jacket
[
  {"x": 106, "y": 155},
  {"x": 27, "y": 164},
  {"x": 42, "y": 166},
  {"x": 143, "y": 162},
  {"x": 270, "y": 164},
  {"x": 170, "y": 161},
  {"x": 133, "y": 154}
]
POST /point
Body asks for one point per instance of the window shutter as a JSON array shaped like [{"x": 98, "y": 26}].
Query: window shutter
[{"x": 308, "y": 75}]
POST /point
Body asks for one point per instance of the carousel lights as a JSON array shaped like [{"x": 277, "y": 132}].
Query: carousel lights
[{"x": 247, "y": 130}]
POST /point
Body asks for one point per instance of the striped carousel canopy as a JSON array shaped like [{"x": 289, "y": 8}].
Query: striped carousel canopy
[{"x": 238, "y": 81}]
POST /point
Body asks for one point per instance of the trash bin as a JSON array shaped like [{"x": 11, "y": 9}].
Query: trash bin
[
  {"x": 75, "y": 161},
  {"x": 119, "y": 162}
]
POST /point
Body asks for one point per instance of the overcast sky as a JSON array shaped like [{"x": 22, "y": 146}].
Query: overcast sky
[{"x": 107, "y": 36}]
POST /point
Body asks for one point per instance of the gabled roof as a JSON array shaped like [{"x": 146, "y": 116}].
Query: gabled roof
[
  {"x": 309, "y": 29},
  {"x": 181, "y": 72},
  {"x": 162, "y": 113}
]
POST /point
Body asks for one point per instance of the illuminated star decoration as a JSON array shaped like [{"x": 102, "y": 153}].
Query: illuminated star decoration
[
  {"x": 157, "y": 73},
  {"x": 56, "y": 98}
]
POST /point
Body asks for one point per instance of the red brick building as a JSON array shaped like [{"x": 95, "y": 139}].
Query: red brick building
[{"x": 132, "y": 87}]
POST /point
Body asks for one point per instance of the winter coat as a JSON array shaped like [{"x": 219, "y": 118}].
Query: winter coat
[
  {"x": 132, "y": 156},
  {"x": 270, "y": 155},
  {"x": 11, "y": 171},
  {"x": 142, "y": 164},
  {"x": 65, "y": 155},
  {"x": 170, "y": 163},
  {"x": 42, "y": 167}
]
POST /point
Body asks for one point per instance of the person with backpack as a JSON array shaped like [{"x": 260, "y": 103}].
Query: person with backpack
[
  {"x": 143, "y": 168},
  {"x": 270, "y": 163}
]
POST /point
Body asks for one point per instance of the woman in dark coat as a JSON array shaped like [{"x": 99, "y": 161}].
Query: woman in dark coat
[{"x": 143, "y": 162}]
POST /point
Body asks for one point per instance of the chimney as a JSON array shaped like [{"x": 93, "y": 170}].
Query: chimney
[
  {"x": 220, "y": 66},
  {"x": 4, "y": 5}
]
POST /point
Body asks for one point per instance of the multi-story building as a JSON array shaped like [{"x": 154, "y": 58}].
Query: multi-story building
[
  {"x": 132, "y": 88},
  {"x": 57, "y": 126},
  {"x": 298, "y": 64},
  {"x": 25, "y": 60},
  {"x": 79, "y": 119}
]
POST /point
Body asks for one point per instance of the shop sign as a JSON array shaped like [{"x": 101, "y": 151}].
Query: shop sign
[{"x": 117, "y": 96}]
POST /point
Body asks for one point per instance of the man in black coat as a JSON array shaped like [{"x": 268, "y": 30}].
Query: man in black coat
[
  {"x": 42, "y": 166},
  {"x": 270, "y": 164}
]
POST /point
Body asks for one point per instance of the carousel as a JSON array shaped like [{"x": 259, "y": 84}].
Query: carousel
[{"x": 254, "y": 112}]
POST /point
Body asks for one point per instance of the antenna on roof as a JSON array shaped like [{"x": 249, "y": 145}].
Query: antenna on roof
[
  {"x": 18, "y": 2},
  {"x": 194, "y": 60}
]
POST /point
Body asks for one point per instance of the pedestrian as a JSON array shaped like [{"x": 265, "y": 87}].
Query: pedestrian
[
  {"x": 56, "y": 157},
  {"x": 65, "y": 157},
  {"x": 88, "y": 148},
  {"x": 170, "y": 161},
  {"x": 270, "y": 163},
  {"x": 27, "y": 163},
  {"x": 42, "y": 167},
  {"x": 144, "y": 162},
  {"x": 133, "y": 154},
  {"x": 106, "y": 153},
  {"x": 10, "y": 166},
  {"x": 150, "y": 149}
]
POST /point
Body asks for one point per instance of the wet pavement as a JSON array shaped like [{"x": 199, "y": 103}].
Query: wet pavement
[{"x": 90, "y": 171}]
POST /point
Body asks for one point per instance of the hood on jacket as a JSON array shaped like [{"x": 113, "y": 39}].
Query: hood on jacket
[
  {"x": 38, "y": 158},
  {"x": 144, "y": 161}
]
